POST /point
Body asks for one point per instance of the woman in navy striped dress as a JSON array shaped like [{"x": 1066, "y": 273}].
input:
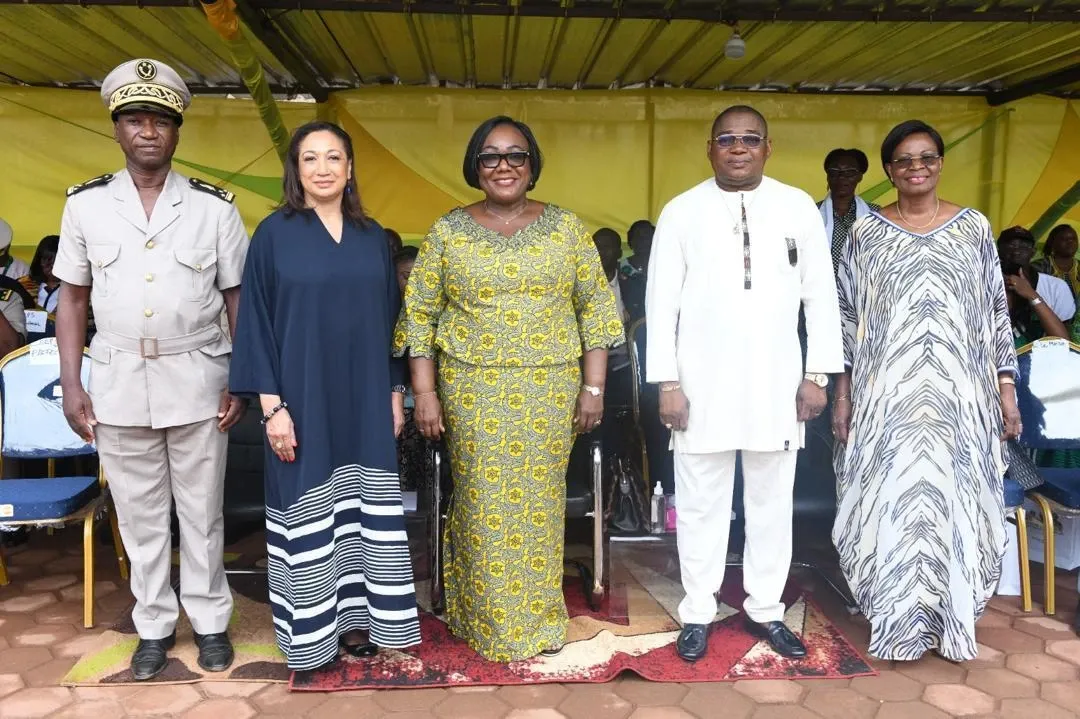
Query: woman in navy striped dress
[{"x": 318, "y": 302}]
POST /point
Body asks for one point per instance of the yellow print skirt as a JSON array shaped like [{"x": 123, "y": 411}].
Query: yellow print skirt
[{"x": 509, "y": 430}]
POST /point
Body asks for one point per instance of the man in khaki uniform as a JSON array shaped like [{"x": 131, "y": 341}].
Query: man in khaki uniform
[
  {"x": 12, "y": 316},
  {"x": 159, "y": 256}
]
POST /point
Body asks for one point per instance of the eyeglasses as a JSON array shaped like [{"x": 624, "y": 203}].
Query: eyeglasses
[
  {"x": 906, "y": 163},
  {"x": 841, "y": 171},
  {"x": 491, "y": 160},
  {"x": 727, "y": 140}
]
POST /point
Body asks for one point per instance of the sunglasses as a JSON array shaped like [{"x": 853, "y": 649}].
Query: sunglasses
[
  {"x": 841, "y": 172},
  {"x": 491, "y": 160},
  {"x": 750, "y": 142},
  {"x": 906, "y": 163}
]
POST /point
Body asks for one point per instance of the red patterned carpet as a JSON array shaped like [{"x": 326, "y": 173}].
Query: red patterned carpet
[{"x": 599, "y": 650}]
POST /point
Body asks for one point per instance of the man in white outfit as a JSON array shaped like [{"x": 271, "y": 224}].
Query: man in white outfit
[{"x": 733, "y": 259}]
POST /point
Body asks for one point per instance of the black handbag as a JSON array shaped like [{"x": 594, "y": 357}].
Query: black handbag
[
  {"x": 1022, "y": 469},
  {"x": 626, "y": 513}
]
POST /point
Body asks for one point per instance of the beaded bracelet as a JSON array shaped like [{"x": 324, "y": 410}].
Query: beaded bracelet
[{"x": 271, "y": 413}]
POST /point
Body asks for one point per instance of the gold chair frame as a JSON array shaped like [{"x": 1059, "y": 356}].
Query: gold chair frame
[
  {"x": 1048, "y": 507},
  {"x": 87, "y": 514}
]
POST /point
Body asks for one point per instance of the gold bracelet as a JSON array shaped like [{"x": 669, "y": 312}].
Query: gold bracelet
[
  {"x": 423, "y": 394},
  {"x": 669, "y": 386},
  {"x": 1007, "y": 380},
  {"x": 841, "y": 398}
]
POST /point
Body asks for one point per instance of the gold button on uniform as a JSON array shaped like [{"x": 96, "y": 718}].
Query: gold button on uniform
[
  {"x": 149, "y": 277},
  {"x": 198, "y": 268},
  {"x": 148, "y": 313},
  {"x": 149, "y": 244}
]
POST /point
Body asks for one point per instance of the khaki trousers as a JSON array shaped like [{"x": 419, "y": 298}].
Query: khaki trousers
[{"x": 148, "y": 470}]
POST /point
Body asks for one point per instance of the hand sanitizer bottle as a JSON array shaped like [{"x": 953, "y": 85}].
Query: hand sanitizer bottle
[{"x": 656, "y": 510}]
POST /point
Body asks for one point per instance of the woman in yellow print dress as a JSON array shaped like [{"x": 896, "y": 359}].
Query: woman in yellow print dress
[{"x": 506, "y": 297}]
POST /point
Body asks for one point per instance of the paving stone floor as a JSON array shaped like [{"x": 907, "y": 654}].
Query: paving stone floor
[{"x": 1028, "y": 668}]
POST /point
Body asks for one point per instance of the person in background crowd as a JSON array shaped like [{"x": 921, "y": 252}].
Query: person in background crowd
[
  {"x": 338, "y": 563},
  {"x": 404, "y": 260},
  {"x": 507, "y": 296},
  {"x": 919, "y": 416},
  {"x": 40, "y": 282},
  {"x": 13, "y": 308},
  {"x": 1059, "y": 257},
  {"x": 10, "y": 266},
  {"x": 1039, "y": 305},
  {"x": 732, "y": 255},
  {"x": 393, "y": 240},
  {"x": 609, "y": 247},
  {"x": 844, "y": 170},
  {"x": 633, "y": 270},
  {"x": 159, "y": 255},
  {"x": 414, "y": 459}
]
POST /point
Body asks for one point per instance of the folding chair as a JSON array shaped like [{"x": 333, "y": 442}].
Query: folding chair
[
  {"x": 32, "y": 426},
  {"x": 1048, "y": 395}
]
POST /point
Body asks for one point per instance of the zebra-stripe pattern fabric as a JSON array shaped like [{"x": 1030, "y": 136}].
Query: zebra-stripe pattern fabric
[
  {"x": 338, "y": 560},
  {"x": 920, "y": 525}
]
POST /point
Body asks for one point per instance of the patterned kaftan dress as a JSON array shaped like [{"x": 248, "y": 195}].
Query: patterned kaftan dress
[
  {"x": 315, "y": 327},
  {"x": 920, "y": 525}
]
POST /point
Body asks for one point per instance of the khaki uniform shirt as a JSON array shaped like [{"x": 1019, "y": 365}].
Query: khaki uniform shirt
[
  {"x": 156, "y": 290},
  {"x": 11, "y": 306}
]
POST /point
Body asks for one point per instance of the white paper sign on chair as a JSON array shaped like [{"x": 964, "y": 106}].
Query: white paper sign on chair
[
  {"x": 1055, "y": 381},
  {"x": 32, "y": 402}
]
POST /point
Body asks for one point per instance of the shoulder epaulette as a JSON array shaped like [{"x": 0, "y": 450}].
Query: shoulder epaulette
[
  {"x": 202, "y": 186},
  {"x": 96, "y": 182},
  {"x": 5, "y": 295}
]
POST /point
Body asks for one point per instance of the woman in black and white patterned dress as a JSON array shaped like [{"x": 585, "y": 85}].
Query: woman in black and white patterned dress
[{"x": 919, "y": 416}]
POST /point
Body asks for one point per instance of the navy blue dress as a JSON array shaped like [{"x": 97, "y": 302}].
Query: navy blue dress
[{"x": 315, "y": 325}]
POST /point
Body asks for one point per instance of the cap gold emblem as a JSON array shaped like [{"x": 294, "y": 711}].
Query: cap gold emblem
[{"x": 146, "y": 70}]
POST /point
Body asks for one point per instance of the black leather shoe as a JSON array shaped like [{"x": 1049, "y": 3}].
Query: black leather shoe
[
  {"x": 693, "y": 642},
  {"x": 151, "y": 656},
  {"x": 215, "y": 651},
  {"x": 362, "y": 650},
  {"x": 780, "y": 638}
]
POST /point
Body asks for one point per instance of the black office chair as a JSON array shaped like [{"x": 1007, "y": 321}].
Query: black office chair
[{"x": 815, "y": 482}]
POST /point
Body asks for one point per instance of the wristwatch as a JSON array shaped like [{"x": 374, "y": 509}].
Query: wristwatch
[
  {"x": 594, "y": 391},
  {"x": 821, "y": 380},
  {"x": 399, "y": 389}
]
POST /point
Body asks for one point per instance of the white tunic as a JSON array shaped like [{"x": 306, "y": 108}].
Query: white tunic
[{"x": 736, "y": 351}]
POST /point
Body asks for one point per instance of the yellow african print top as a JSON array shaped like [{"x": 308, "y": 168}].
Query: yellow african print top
[{"x": 536, "y": 298}]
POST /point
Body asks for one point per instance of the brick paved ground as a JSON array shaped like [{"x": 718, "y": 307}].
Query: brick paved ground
[{"x": 1029, "y": 668}]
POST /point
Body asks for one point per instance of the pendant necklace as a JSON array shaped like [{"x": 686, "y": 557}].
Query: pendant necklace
[
  {"x": 506, "y": 220},
  {"x": 933, "y": 217}
]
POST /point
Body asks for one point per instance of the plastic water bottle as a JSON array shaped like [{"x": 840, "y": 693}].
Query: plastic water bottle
[
  {"x": 656, "y": 510},
  {"x": 669, "y": 513}
]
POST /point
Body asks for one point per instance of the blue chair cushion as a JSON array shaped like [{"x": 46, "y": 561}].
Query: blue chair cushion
[
  {"x": 1014, "y": 493},
  {"x": 28, "y": 500},
  {"x": 1062, "y": 486}
]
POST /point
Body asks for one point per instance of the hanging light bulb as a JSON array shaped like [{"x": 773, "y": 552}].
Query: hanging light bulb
[{"x": 735, "y": 48}]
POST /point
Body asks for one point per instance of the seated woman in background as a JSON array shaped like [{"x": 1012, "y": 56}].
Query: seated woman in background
[
  {"x": 43, "y": 286},
  {"x": 332, "y": 401}
]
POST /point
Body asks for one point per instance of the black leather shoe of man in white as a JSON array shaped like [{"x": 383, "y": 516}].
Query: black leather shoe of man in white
[
  {"x": 780, "y": 638},
  {"x": 151, "y": 656},
  {"x": 693, "y": 642},
  {"x": 215, "y": 651}
]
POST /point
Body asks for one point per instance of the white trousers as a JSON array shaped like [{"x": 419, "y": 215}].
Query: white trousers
[{"x": 703, "y": 489}]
